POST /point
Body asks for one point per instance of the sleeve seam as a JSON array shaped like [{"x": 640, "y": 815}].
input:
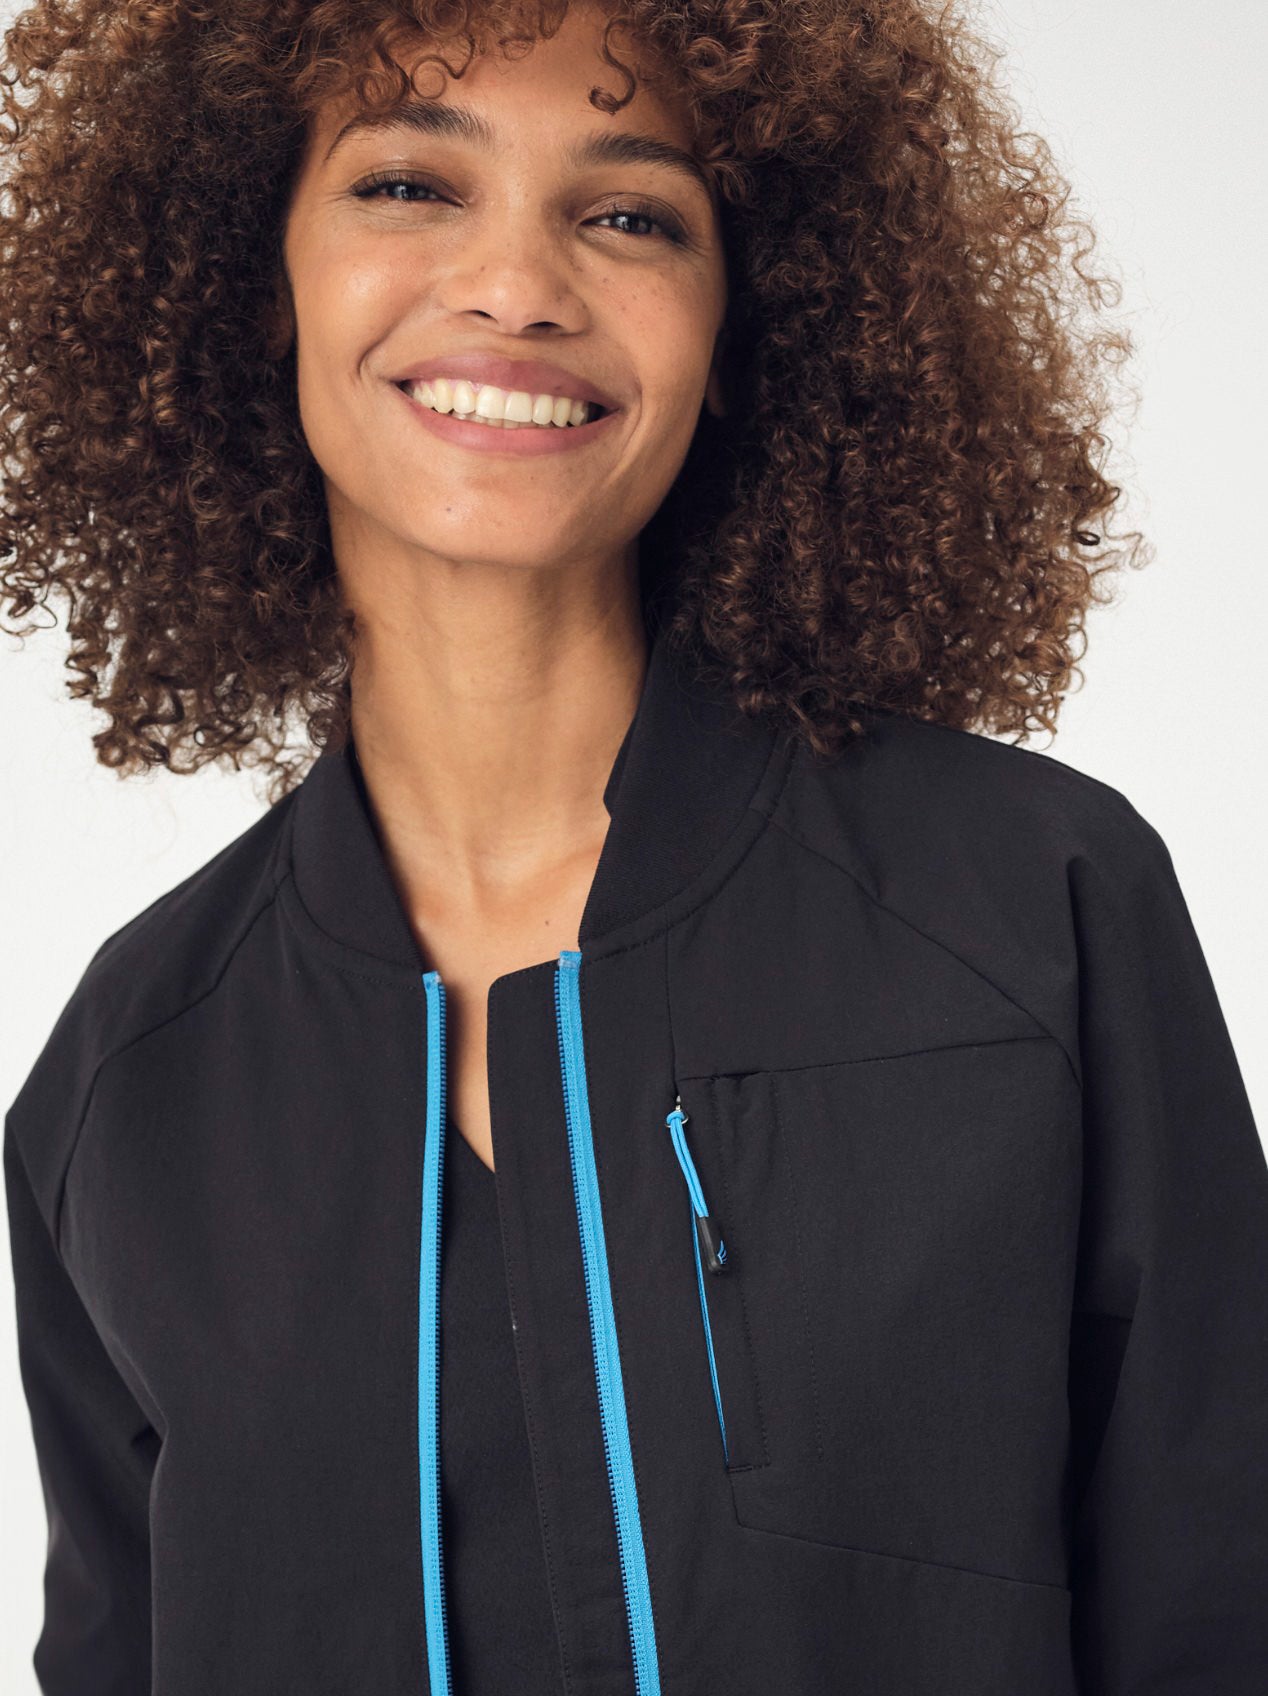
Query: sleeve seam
[
  {"x": 937, "y": 942},
  {"x": 132, "y": 1042}
]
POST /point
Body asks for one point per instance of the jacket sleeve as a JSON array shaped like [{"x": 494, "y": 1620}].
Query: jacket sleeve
[
  {"x": 95, "y": 1452},
  {"x": 1169, "y": 1342}
]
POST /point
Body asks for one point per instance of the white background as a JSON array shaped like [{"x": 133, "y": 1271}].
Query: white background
[{"x": 1153, "y": 109}]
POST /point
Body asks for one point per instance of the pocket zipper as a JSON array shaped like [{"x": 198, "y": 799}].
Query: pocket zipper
[{"x": 706, "y": 1231}]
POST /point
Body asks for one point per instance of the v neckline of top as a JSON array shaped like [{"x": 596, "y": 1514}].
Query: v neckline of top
[{"x": 455, "y": 1135}]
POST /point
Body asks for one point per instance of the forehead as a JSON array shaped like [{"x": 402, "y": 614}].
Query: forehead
[{"x": 475, "y": 93}]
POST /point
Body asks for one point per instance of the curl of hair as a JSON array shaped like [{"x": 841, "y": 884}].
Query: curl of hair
[{"x": 904, "y": 507}]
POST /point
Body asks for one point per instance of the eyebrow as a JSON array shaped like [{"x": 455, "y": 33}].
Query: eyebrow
[{"x": 460, "y": 123}]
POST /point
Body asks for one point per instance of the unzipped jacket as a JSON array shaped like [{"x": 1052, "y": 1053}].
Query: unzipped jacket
[{"x": 884, "y": 1221}]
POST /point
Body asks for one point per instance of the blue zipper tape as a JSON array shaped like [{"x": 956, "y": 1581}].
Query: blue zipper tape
[
  {"x": 607, "y": 1358},
  {"x": 429, "y": 1346},
  {"x": 675, "y": 1121}
]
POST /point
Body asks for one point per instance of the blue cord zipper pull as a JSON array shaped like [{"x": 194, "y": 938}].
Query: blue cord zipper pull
[{"x": 707, "y": 1228}]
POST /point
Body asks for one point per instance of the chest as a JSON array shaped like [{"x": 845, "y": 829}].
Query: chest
[{"x": 888, "y": 1144}]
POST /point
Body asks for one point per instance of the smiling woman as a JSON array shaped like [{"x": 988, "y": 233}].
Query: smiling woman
[
  {"x": 636, "y": 446},
  {"x": 799, "y": 245}
]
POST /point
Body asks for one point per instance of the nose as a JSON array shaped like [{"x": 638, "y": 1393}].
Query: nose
[{"x": 511, "y": 272}]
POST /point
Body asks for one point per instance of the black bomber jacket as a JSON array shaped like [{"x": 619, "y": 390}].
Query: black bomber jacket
[{"x": 884, "y": 1221}]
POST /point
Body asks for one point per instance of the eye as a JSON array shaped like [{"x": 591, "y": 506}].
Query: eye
[
  {"x": 373, "y": 188},
  {"x": 670, "y": 228},
  {"x": 369, "y": 189}
]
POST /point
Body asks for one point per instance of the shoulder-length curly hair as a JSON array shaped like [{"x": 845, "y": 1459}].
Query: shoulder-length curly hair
[{"x": 903, "y": 507}]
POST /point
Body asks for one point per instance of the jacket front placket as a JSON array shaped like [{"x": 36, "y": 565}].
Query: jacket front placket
[{"x": 687, "y": 794}]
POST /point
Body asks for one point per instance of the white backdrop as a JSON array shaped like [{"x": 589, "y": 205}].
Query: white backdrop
[{"x": 1153, "y": 111}]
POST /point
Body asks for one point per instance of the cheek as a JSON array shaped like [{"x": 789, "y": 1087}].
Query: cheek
[
  {"x": 673, "y": 392},
  {"x": 673, "y": 331},
  {"x": 670, "y": 336},
  {"x": 378, "y": 286},
  {"x": 348, "y": 300}
]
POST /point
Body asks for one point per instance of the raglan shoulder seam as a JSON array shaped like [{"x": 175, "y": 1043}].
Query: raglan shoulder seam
[
  {"x": 276, "y": 876},
  {"x": 813, "y": 848}
]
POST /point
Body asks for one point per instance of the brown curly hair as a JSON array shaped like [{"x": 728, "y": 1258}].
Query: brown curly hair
[{"x": 902, "y": 508}]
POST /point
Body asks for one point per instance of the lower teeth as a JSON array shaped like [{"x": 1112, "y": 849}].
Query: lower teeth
[
  {"x": 505, "y": 423},
  {"x": 500, "y": 423}
]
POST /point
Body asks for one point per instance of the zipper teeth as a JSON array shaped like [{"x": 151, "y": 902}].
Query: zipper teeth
[
  {"x": 675, "y": 1120},
  {"x": 607, "y": 1359},
  {"x": 429, "y": 1345}
]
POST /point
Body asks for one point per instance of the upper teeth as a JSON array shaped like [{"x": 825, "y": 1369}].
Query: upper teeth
[{"x": 482, "y": 400}]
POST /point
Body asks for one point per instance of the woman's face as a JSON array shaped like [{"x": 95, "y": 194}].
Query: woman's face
[{"x": 514, "y": 220}]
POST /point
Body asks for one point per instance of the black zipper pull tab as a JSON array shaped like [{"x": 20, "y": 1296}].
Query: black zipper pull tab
[
  {"x": 708, "y": 1230},
  {"x": 711, "y": 1244}
]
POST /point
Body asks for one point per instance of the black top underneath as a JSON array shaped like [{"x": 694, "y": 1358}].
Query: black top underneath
[{"x": 501, "y": 1630}]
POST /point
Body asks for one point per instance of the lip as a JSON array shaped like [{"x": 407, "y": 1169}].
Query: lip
[
  {"x": 514, "y": 443},
  {"x": 534, "y": 376}
]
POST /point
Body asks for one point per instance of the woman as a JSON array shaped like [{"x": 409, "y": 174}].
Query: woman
[{"x": 625, "y": 450}]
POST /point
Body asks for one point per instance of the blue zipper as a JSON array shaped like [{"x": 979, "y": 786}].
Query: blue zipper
[
  {"x": 429, "y": 1346},
  {"x": 705, "y": 1228},
  {"x": 607, "y": 1358}
]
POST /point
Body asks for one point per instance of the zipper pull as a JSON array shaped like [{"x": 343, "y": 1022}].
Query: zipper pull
[{"x": 707, "y": 1229}]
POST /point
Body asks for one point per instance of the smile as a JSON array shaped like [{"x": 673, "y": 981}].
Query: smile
[
  {"x": 486, "y": 420},
  {"x": 508, "y": 409}
]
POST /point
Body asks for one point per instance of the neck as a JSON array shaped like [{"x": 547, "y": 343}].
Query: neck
[{"x": 486, "y": 724}]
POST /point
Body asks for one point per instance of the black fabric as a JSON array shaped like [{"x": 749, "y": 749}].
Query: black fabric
[
  {"x": 501, "y": 1634},
  {"x": 991, "y": 1350}
]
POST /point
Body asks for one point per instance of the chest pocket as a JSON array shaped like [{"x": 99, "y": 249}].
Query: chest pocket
[
  {"x": 889, "y": 1335},
  {"x": 756, "y": 1320}
]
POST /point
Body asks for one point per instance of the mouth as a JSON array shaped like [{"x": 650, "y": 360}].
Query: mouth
[
  {"x": 502, "y": 410},
  {"x": 555, "y": 432}
]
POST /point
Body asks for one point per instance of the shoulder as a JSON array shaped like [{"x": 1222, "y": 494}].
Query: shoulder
[
  {"x": 986, "y": 848},
  {"x": 917, "y": 802},
  {"x": 156, "y": 966}
]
